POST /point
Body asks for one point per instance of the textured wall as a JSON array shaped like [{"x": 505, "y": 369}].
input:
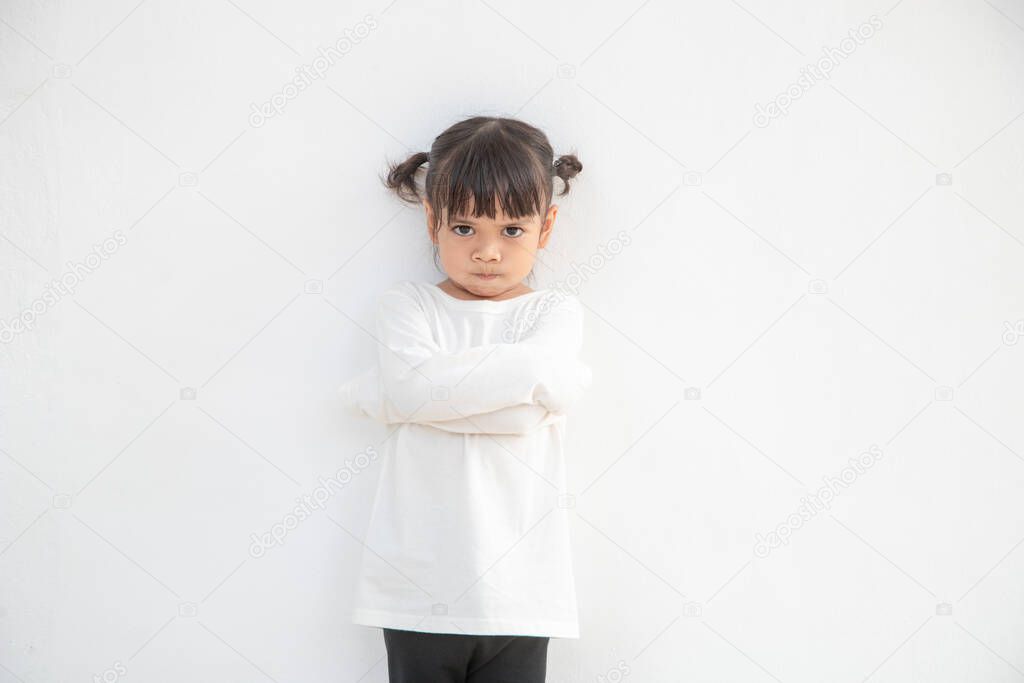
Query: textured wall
[{"x": 798, "y": 235}]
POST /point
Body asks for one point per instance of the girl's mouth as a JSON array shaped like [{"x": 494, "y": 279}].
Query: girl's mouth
[{"x": 484, "y": 276}]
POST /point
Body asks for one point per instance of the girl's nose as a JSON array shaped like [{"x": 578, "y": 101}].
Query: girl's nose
[{"x": 489, "y": 252}]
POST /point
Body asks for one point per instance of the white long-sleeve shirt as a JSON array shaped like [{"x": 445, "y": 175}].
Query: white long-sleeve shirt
[{"x": 468, "y": 531}]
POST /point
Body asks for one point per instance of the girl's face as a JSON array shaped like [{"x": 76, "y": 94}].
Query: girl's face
[{"x": 471, "y": 247}]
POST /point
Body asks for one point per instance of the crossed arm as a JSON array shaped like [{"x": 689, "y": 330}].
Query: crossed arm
[
  {"x": 362, "y": 395},
  {"x": 491, "y": 388}
]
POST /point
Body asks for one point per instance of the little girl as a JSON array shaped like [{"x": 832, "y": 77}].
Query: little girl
[{"x": 467, "y": 565}]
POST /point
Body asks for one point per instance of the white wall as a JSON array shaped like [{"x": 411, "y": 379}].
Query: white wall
[{"x": 788, "y": 293}]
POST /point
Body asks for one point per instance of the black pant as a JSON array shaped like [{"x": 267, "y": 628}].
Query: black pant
[{"x": 418, "y": 657}]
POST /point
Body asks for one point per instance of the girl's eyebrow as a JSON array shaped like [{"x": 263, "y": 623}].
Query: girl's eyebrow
[{"x": 464, "y": 219}]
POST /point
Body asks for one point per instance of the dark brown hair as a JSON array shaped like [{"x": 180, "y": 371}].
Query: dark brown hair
[{"x": 484, "y": 160}]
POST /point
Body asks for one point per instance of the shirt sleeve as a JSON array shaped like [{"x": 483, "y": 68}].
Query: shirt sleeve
[
  {"x": 558, "y": 329},
  {"x": 423, "y": 383},
  {"x": 361, "y": 396},
  {"x": 520, "y": 419}
]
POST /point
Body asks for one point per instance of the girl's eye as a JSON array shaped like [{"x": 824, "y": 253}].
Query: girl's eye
[{"x": 456, "y": 229}]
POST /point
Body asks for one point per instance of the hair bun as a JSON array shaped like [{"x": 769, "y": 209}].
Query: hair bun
[{"x": 567, "y": 166}]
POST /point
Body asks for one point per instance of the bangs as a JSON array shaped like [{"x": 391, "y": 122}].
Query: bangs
[{"x": 487, "y": 176}]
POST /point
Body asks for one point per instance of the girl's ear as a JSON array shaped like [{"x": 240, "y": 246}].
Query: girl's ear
[
  {"x": 430, "y": 220},
  {"x": 549, "y": 224}
]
